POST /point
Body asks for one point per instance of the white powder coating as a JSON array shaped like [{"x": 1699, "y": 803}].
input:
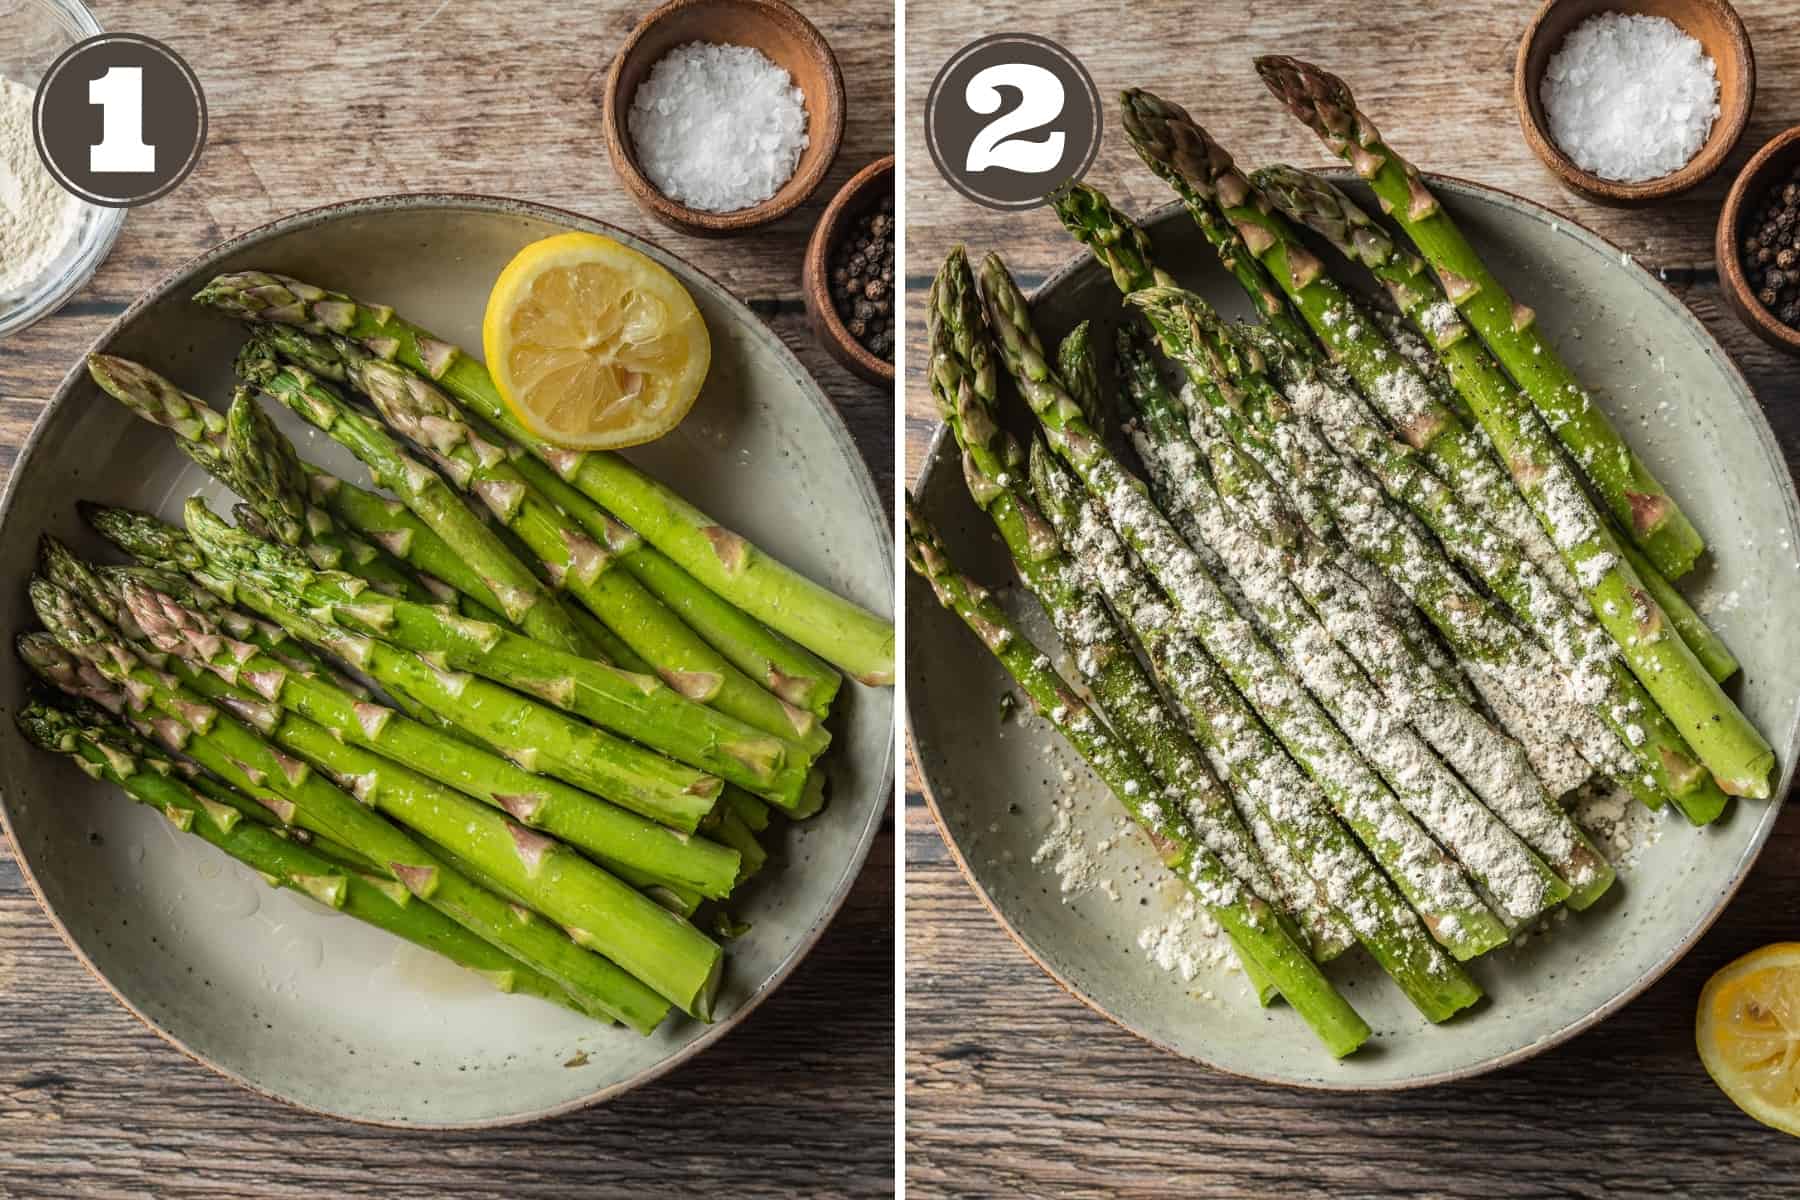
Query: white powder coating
[
  {"x": 1630, "y": 97},
  {"x": 1274, "y": 583},
  {"x": 1282, "y": 701},
  {"x": 1619, "y": 825},
  {"x": 1581, "y": 650},
  {"x": 1187, "y": 942},
  {"x": 37, "y": 217},
  {"x": 716, "y": 127},
  {"x": 1065, "y": 848}
]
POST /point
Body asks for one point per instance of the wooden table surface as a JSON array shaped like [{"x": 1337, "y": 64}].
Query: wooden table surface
[
  {"x": 322, "y": 102},
  {"x": 1014, "y": 1085}
]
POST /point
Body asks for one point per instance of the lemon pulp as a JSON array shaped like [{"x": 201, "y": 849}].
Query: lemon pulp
[
  {"x": 1748, "y": 1034},
  {"x": 593, "y": 345}
]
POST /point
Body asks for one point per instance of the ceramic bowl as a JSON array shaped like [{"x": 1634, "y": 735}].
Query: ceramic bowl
[
  {"x": 302, "y": 1004},
  {"x": 1712, "y": 23},
  {"x": 994, "y": 785},
  {"x": 856, "y": 197},
  {"x": 1775, "y": 161},
  {"x": 790, "y": 41}
]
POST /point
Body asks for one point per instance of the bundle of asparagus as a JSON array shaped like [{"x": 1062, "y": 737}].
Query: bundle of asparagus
[
  {"x": 481, "y": 712},
  {"x": 1397, "y": 622}
]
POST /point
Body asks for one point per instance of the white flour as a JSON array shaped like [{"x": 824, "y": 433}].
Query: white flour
[
  {"x": 37, "y": 217},
  {"x": 1188, "y": 941}
]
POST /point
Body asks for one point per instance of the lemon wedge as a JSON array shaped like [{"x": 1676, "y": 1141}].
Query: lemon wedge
[
  {"x": 592, "y": 345},
  {"x": 1748, "y": 1033}
]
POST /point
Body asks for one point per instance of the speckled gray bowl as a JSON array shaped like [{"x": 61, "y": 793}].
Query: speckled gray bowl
[
  {"x": 286, "y": 997},
  {"x": 1683, "y": 405}
]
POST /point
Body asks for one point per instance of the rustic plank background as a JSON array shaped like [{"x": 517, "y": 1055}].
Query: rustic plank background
[
  {"x": 1014, "y": 1086},
  {"x": 322, "y": 102}
]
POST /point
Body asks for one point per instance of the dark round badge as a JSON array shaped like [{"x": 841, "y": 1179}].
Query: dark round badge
[
  {"x": 1010, "y": 117},
  {"x": 120, "y": 119}
]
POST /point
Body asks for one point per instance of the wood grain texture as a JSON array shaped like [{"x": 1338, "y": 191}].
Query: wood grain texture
[
  {"x": 322, "y": 102},
  {"x": 1014, "y": 1086}
]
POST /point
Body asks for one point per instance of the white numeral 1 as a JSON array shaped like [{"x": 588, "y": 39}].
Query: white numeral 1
[
  {"x": 1040, "y": 102},
  {"x": 120, "y": 95}
]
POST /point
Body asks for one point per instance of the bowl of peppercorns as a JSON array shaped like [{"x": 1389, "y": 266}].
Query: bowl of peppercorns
[
  {"x": 849, "y": 274},
  {"x": 1758, "y": 243}
]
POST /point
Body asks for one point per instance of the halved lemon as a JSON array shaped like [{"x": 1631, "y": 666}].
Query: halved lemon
[
  {"x": 1748, "y": 1032},
  {"x": 592, "y": 345}
]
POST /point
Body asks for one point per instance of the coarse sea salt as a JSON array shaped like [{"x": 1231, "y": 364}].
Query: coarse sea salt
[
  {"x": 718, "y": 128},
  {"x": 1630, "y": 97}
]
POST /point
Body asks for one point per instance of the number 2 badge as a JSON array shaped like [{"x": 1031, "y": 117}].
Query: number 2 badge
[{"x": 1011, "y": 117}]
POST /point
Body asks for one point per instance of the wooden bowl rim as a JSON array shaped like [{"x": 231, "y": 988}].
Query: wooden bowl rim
[
  {"x": 1726, "y": 237},
  {"x": 789, "y": 195},
  {"x": 818, "y": 247},
  {"x": 1734, "y": 118}
]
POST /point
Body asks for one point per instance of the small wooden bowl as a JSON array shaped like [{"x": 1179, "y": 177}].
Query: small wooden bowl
[
  {"x": 1713, "y": 23},
  {"x": 790, "y": 41},
  {"x": 1774, "y": 161},
  {"x": 853, "y": 199}
]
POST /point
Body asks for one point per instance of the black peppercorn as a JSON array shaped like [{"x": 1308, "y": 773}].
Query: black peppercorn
[
  {"x": 1771, "y": 252},
  {"x": 862, "y": 278}
]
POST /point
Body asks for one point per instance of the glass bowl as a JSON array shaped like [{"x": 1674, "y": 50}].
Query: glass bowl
[{"x": 32, "y": 34}]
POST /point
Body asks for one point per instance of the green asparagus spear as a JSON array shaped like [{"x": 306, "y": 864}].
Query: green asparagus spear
[
  {"x": 781, "y": 665},
  {"x": 598, "y": 911},
  {"x": 856, "y": 641},
  {"x": 203, "y": 435},
  {"x": 1350, "y": 512},
  {"x": 1121, "y": 246},
  {"x": 1664, "y": 765},
  {"x": 638, "y": 706},
  {"x": 633, "y": 847},
  {"x": 964, "y": 383},
  {"x": 1202, "y": 172},
  {"x": 417, "y": 411},
  {"x": 1323, "y": 102},
  {"x": 1707, "y": 645},
  {"x": 1739, "y": 758},
  {"x": 80, "y": 657},
  {"x": 1076, "y": 363},
  {"x": 521, "y": 597},
  {"x": 1492, "y": 766},
  {"x": 1250, "y": 921},
  {"x": 537, "y": 738},
  {"x": 104, "y": 751},
  {"x": 1430, "y": 880}
]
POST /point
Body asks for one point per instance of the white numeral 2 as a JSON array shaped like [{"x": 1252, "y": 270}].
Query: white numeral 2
[
  {"x": 1041, "y": 101},
  {"x": 120, "y": 95}
]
